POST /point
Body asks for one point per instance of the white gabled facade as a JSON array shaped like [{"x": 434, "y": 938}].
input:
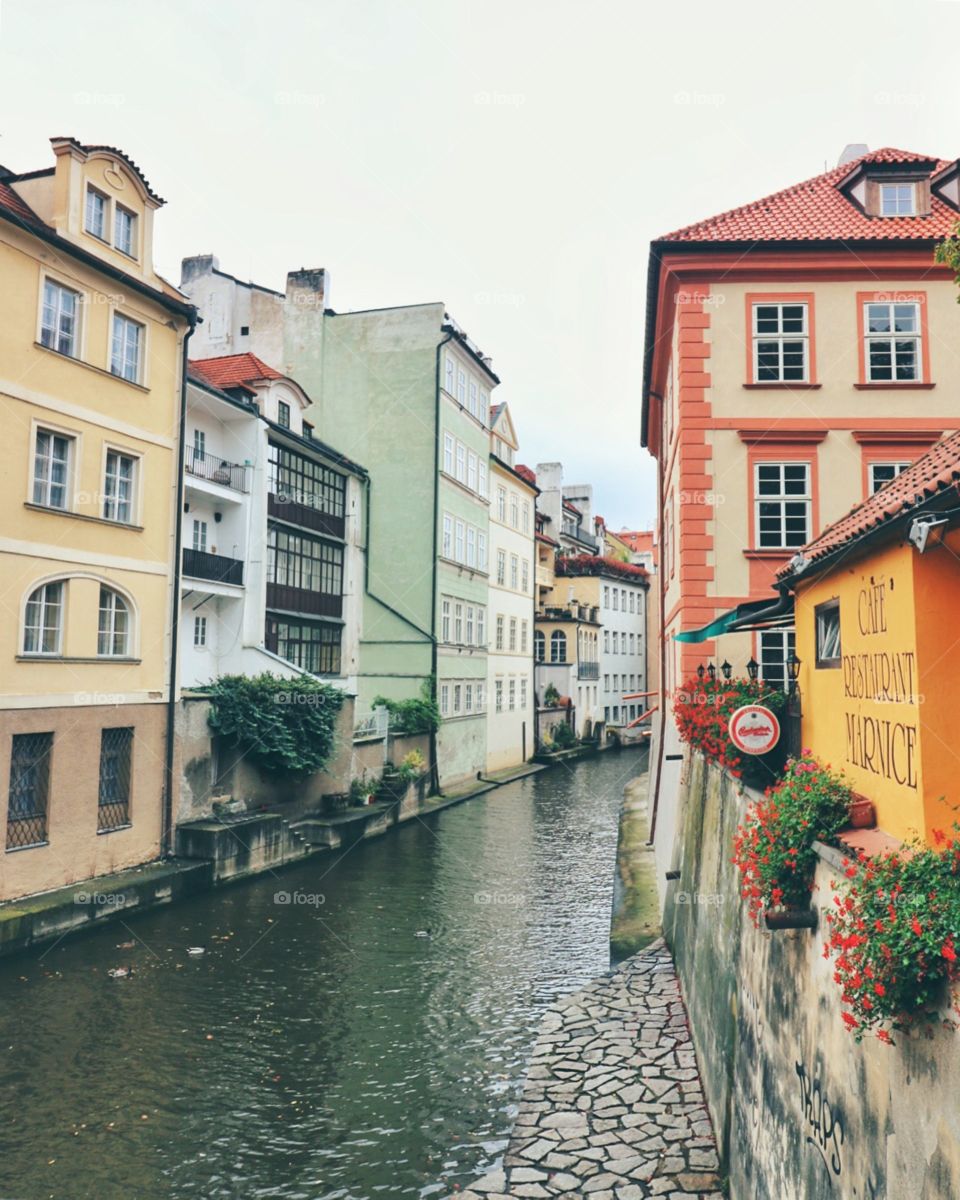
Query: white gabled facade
[
  {"x": 255, "y": 522},
  {"x": 510, "y": 682}
]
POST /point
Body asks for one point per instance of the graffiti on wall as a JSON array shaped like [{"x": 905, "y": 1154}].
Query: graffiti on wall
[{"x": 823, "y": 1123}]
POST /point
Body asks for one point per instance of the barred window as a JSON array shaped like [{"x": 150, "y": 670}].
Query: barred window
[
  {"x": 313, "y": 646},
  {"x": 296, "y": 479},
  {"x": 29, "y": 789},
  {"x": 301, "y": 561},
  {"x": 116, "y": 751}
]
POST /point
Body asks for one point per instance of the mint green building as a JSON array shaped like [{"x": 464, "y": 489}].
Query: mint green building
[{"x": 404, "y": 391}]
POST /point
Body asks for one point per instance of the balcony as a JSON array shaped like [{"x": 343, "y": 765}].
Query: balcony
[
  {"x": 213, "y": 468},
  {"x": 588, "y": 670},
  {"x": 289, "y": 509},
  {"x": 301, "y": 600},
  {"x": 198, "y": 564}
]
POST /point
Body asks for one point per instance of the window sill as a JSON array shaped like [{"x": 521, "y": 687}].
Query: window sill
[
  {"x": 464, "y": 487},
  {"x": 452, "y": 562},
  {"x": 91, "y": 366},
  {"x": 78, "y": 658},
  {"x": 785, "y": 552},
  {"x": 114, "y": 829},
  {"x": 66, "y": 512},
  {"x": 31, "y": 846},
  {"x": 906, "y": 384},
  {"x": 782, "y": 387}
]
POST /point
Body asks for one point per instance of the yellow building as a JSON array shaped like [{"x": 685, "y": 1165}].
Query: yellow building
[
  {"x": 92, "y": 345},
  {"x": 875, "y": 602}
]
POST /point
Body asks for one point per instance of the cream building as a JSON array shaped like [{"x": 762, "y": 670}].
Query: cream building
[
  {"x": 92, "y": 346},
  {"x": 510, "y": 682}
]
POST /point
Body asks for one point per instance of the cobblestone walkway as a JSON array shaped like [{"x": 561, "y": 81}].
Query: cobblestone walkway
[{"x": 613, "y": 1108}]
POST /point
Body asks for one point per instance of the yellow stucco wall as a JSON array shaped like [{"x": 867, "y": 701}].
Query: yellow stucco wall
[{"x": 864, "y": 717}]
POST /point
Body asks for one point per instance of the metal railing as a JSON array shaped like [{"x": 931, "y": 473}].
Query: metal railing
[
  {"x": 198, "y": 564},
  {"x": 204, "y": 465}
]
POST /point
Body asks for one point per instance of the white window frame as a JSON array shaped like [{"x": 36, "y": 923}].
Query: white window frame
[
  {"x": 498, "y": 695},
  {"x": 199, "y": 632},
  {"x": 119, "y": 210},
  {"x": 785, "y": 642},
  {"x": 45, "y": 483},
  {"x": 444, "y": 699},
  {"x": 482, "y": 478},
  {"x": 108, "y": 498},
  {"x": 499, "y": 631},
  {"x": 116, "y": 601},
  {"x": 481, "y": 550},
  {"x": 782, "y": 498},
  {"x": 471, "y": 546},
  {"x": 898, "y": 189},
  {"x": 779, "y": 338},
  {"x": 103, "y": 234},
  {"x": 448, "y": 444},
  {"x": 898, "y": 469},
  {"x": 871, "y": 338},
  {"x": 76, "y": 344},
  {"x": 481, "y": 625},
  {"x": 459, "y": 540},
  {"x": 121, "y": 321},
  {"x": 45, "y": 604},
  {"x": 445, "y": 619},
  {"x": 450, "y": 374},
  {"x": 501, "y": 568},
  {"x": 198, "y": 535},
  {"x": 458, "y": 623},
  {"x": 472, "y": 471},
  {"x": 461, "y": 463}
]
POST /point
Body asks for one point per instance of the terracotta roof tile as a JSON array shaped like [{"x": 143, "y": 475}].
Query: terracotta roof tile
[
  {"x": 15, "y": 204},
  {"x": 936, "y": 472},
  {"x": 817, "y": 209},
  {"x": 526, "y": 473},
  {"x": 233, "y": 370}
]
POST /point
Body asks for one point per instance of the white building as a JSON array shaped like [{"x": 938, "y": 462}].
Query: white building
[
  {"x": 272, "y": 532},
  {"x": 623, "y": 648},
  {"x": 510, "y": 682}
]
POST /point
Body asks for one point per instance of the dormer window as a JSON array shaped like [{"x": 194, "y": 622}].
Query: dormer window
[
  {"x": 283, "y": 414},
  {"x": 95, "y": 220},
  {"x": 124, "y": 231},
  {"x": 898, "y": 200}
]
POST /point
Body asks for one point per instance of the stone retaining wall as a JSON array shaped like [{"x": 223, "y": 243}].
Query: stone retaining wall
[{"x": 800, "y": 1109}]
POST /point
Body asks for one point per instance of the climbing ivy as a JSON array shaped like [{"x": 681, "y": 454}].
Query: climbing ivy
[{"x": 286, "y": 725}]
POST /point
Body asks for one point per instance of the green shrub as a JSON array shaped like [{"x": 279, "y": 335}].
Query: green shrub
[
  {"x": 285, "y": 725},
  {"x": 563, "y": 737},
  {"x": 413, "y": 716}
]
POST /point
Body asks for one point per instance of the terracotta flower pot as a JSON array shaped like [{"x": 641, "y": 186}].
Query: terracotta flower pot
[
  {"x": 862, "y": 814},
  {"x": 791, "y": 918}
]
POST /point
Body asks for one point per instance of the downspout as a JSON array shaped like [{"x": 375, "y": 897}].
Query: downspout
[
  {"x": 166, "y": 834},
  {"x": 434, "y": 660}
]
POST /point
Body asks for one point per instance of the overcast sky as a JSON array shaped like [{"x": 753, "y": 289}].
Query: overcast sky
[{"x": 513, "y": 159}]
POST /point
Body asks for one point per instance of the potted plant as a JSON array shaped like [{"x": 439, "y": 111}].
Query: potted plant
[{"x": 862, "y": 813}]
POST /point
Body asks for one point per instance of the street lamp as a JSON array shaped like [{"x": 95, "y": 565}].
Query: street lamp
[
  {"x": 712, "y": 672},
  {"x": 700, "y": 672},
  {"x": 793, "y": 668},
  {"x": 753, "y": 669},
  {"x": 726, "y": 668}
]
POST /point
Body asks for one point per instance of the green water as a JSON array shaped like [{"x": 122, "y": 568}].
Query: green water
[{"x": 321, "y": 1049}]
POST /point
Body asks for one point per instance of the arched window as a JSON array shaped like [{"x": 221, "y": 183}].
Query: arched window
[
  {"x": 539, "y": 646},
  {"x": 558, "y": 646},
  {"x": 113, "y": 634},
  {"x": 43, "y": 620}
]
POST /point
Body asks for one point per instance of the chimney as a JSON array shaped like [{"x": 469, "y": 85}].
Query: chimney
[
  {"x": 308, "y": 287},
  {"x": 200, "y": 264},
  {"x": 851, "y": 151}
]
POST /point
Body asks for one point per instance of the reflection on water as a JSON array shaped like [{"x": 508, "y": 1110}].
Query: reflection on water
[{"x": 367, "y": 1038}]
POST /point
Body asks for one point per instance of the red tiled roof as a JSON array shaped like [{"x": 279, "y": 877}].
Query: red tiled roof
[
  {"x": 936, "y": 472},
  {"x": 571, "y": 507},
  {"x": 15, "y": 204},
  {"x": 817, "y": 209},
  {"x": 542, "y": 537},
  {"x": 637, "y": 539},
  {"x": 526, "y": 473},
  {"x": 233, "y": 370},
  {"x": 120, "y": 154}
]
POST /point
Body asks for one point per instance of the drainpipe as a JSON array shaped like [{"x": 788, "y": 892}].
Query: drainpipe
[
  {"x": 435, "y": 769},
  {"x": 166, "y": 835}
]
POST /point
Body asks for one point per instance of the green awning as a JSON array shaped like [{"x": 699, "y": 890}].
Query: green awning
[{"x": 752, "y": 614}]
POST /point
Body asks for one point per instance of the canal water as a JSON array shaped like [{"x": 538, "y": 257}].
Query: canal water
[{"x": 356, "y": 1026}]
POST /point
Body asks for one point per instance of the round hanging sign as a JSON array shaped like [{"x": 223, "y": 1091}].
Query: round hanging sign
[{"x": 754, "y": 729}]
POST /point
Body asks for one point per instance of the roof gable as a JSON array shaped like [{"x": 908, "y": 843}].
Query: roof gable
[{"x": 820, "y": 209}]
